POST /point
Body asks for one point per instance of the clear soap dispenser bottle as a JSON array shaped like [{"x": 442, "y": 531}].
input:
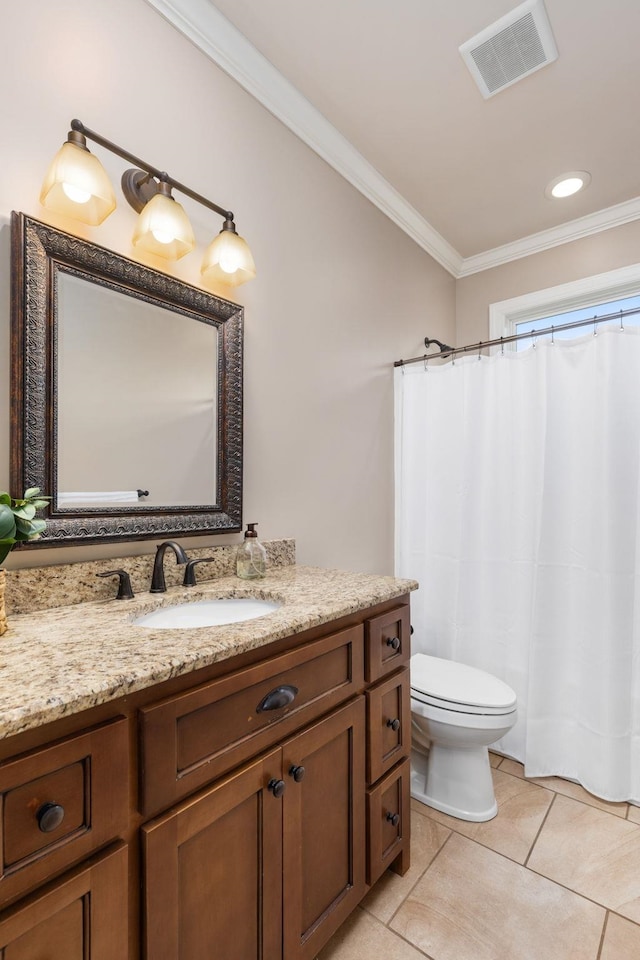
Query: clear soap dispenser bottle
[{"x": 251, "y": 561}]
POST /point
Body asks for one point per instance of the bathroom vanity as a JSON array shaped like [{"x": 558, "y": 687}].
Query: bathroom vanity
[{"x": 228, "y": 791}]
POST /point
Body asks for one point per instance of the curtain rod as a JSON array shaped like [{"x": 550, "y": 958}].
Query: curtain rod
[{"x": 446, "y": 351}]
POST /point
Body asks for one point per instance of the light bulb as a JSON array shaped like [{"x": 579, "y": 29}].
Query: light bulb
[
  {"x": 228, "y": 262},
  {"x": 76, "y": 194},
  {"x": 162, "y": 236}
]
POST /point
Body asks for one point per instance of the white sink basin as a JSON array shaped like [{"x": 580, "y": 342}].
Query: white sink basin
[{"x": 206, "y": 613}]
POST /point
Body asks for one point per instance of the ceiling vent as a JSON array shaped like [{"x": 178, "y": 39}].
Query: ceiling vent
[{"x": 511, "y": 48}]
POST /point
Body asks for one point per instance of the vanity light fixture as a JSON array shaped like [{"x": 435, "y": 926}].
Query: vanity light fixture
[
  {"x": 77, "y": 186},
  {"x": 567, "y": 184}
]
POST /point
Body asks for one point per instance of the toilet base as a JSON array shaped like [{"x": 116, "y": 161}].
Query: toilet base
[{"x": 456, "y": 781}]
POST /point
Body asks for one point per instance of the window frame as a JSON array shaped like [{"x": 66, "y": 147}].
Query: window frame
[{"x": 589, "y": 291}]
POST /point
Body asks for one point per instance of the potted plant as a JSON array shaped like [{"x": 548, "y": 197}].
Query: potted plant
[{"x": 18, "y": 522}]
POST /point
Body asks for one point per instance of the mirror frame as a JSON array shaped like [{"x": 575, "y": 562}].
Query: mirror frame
[{"x": 39, "y": 253}]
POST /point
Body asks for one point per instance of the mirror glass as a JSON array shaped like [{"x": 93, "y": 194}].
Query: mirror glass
[
  {"x": 141, "y": 415},
  {"x": 126, "y": 393}
]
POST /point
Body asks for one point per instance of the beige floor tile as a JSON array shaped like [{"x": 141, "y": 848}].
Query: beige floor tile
[
  {"x": 567, "y": 788},
  {"x": 621, "y": 940},
  {"x": 634, "y": 813},
  {"x": 521, "y": 809},
  {"x": 473, "y": 904},
  {"x": 427, "y": 838},
  {"x": 495, "y": 759},
  {"x": 362, "y": 937},
  {"x": 593, "y": 853}
]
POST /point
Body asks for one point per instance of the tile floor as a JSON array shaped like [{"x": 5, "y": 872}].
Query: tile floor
[{"x": 555, "y": 876}]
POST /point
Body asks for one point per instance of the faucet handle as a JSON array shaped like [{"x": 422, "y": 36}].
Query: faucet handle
[
  {"x": 124, "y": 583},
  {"x": 190, "y": 573}
]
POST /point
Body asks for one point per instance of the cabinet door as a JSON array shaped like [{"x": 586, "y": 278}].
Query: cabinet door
[
  {"x": 214, "y": 871},
  {"x": 83, "y": 916},
  {"x": 324, "y": 829}
]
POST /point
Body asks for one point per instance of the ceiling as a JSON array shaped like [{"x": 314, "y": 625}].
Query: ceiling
[{"x": 464, "y": 175}]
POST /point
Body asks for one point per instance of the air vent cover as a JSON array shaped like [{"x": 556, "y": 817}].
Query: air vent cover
[{"x": 511, "y": 48}]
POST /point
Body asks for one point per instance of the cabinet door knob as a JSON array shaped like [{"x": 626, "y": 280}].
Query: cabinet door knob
[
  {"x": 393, "y": 818},
  {"x": 280, "y": 697},
  {"x": 297, "y": 773},
  {"x": 276, "y": 787},
  {"x": 49, "y": 816},
  {"x": 394, "y": 724},
  {"x": 393, "y": 642}
]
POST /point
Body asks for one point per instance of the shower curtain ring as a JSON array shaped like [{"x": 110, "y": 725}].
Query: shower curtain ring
[
  {"x": 621, "y": 324},
  {"x": 595, "y": 325},
  {"x": 552, "y": 340},
  {"x": 502, "y": 346},
  {"x": 479, "y": 349}
]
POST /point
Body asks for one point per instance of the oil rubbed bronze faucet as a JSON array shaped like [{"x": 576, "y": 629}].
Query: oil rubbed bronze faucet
[{"x": 158, "y": 584}]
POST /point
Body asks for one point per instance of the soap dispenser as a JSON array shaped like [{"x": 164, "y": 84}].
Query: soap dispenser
[{"x": 251, "y": 561}]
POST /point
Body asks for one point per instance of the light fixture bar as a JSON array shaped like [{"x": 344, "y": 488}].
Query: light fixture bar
[{"x": 149, "y": 168}]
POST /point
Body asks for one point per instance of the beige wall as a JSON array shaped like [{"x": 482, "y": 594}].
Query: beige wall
[
  {"x": 340, "y": 293},
  {"x": 618, "y": 247}
]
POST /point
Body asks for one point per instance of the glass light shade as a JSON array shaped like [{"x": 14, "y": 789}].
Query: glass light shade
[
  {"x": 77, "y": 186},
  {"x": 163, "y": 228},
  {"x": 228, "y": 260}
]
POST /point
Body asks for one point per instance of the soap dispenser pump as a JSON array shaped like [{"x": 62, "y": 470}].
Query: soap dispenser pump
[{"x": 251, "y": 561}]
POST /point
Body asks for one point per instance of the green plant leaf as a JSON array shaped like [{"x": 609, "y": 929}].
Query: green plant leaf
[
  {"x": 27, "y": 529},
  {"x": 27, "y": 512},
  {"x": 6, "y": 499},
  {"x": 7, "y": 522},
  {"x": 40, "y": 504},
  {"x": 31, "y": 493},
  {"x": 5, "y": 548}
]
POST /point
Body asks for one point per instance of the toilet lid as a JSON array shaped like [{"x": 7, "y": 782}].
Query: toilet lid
[{"x": 446, "y": 682}]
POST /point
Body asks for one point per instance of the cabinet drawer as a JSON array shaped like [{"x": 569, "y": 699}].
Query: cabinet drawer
[
  {"x": 61, "y": 802},
  {"x": 387, "y": 643},
  {"x": 389, "y": 821},
  {"x": 190, "y": 739},
  {"x": 388, "y": 724},
  {"x": 82, "y": 915}
]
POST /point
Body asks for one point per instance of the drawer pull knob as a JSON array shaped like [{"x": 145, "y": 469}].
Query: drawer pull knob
[
  {"x": 277, "y": 787},
  {"x": 49, "y": 816},
  {"x": 393, "y": 642},
  {"x": 393, "y": 818},
  {"x": 297, "y": 773},
  {"x": 278, "y": 698},
  {"x": 394, "y": 724}
]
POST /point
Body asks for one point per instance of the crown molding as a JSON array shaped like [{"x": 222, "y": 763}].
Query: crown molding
[
  {"x": 586, "y": 226},
  {"x": 202, "y": 23},
  {"x": 215, "y": 36}
]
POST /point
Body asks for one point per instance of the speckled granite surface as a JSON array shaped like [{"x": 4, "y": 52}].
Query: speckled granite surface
[
  {"x": 60, "y": 661},
  {"x": 41, "y": 588}
]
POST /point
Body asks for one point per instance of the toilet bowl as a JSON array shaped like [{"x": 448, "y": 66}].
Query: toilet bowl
[{"x": 457, "y": 712}]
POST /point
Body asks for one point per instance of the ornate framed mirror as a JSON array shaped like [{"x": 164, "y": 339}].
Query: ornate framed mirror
[{"x": 126, "y": 394}]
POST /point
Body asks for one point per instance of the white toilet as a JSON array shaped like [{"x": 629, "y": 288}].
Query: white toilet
[{"x": 457, "y": 711}]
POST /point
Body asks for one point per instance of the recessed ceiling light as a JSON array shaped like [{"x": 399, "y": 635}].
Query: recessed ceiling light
[{"x": 567, "y": 184}]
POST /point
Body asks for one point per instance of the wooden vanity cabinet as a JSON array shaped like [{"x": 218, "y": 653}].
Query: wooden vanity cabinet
[
  {"x": 263, "y": 865},
  {"x": 249, "y": 833}
]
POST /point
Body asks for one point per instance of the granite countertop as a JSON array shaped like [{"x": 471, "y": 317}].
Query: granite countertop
[{"x": 60, "y": 661}]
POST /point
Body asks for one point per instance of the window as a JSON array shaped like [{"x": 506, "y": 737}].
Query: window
[
  {"x": 584, "y": 313},
  {"x": 583, "y": 299}
]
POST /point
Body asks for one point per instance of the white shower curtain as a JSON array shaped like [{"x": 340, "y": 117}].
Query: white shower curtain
[{"x": 518, "y": 510}]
